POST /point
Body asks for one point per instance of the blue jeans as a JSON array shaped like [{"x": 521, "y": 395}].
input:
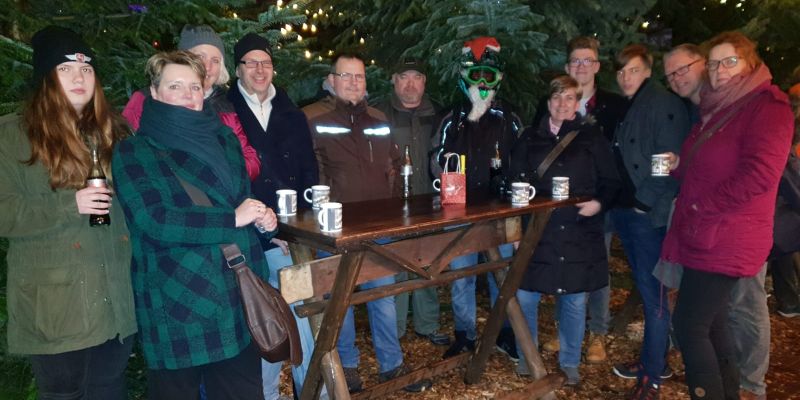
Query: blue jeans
[
  {"x": 382, "y": 322},
  {"x": 462, "y": 291},
  {"x": 642, "y": 245},
  {"x": 571, "y": 323},
  {"x": 271, "y": 372}
]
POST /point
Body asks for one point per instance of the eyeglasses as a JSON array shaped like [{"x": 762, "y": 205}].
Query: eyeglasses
[
  {"x": 348, "y": 77},
  {"x": 577, "y": 62},
  {"x": 727, "y": 62},
  {"x": 253, "y": 64},
  {"x": 681, "y": 71},
  {"x": 489, "y": 76}
]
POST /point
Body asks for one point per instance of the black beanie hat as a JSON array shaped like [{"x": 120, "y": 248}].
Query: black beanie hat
[
  {"x": 248, "y": 43},
  {"x": 54, "y": 45}
]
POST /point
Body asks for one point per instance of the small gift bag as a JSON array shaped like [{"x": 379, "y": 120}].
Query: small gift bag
[{"x": 453, "y": 184}]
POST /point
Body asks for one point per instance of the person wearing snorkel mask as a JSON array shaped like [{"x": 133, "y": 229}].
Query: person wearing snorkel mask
[{"x": 479, "y": 130}]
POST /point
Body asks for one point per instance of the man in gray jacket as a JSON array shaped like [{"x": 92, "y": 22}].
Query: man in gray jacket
[{"x": 413, "y": 117}]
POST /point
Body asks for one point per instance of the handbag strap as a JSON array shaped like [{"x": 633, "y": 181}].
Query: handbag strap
[
  {"x": 716, "y": 127},
  {"x": 557, "y": 150},
  {"x": 231, "y": 251}
]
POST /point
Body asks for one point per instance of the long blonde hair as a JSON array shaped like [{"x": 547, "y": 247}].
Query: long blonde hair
[{"x": 60, "y": 137}]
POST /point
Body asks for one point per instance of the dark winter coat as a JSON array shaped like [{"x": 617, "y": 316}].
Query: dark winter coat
[
  {"x": 285, "y": 149},
  {"x": 656, "y": 122},
  {"x": 476, "y": 140},
  {"x": 571, "y": 255}
]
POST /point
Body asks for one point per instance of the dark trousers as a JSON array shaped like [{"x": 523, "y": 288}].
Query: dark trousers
[
  {"x": 93, "y": 373},
  {"x": 786, "y": 282},
  {"x": 701, "y": 327},
  {"x": 237, "y": 378}
]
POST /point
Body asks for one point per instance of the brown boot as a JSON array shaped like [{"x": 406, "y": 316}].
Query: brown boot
[
  {"x": 552, "y": 345},
  {"x": 596, "y": 352}
]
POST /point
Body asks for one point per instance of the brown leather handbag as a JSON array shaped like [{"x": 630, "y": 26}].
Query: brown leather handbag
[{"x": 269, "y": 319}]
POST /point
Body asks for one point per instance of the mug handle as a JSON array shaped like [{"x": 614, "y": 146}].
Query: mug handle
[
  {"x": 436, "y": 187},
  {"x": 533, "y": 192},
  {"x": 321, "y": 217},
  {"x": 306, "y": 193}
]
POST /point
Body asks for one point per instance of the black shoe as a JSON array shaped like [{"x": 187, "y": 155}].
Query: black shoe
[
  {"x": 460, "y": 345},
  {"x": 439, "y": 339},
  {"x": 631, "y": 370},
  {"x": 506, "y": 343},
  {"x": 401, "y": 370},
  {"x": 353, "y": 379}
]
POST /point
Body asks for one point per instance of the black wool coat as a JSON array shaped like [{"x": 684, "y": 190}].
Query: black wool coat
[{"x": 571, "y": 255}]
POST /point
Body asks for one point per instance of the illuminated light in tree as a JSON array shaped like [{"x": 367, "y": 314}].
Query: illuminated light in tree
[
  {"x": 288, "y": 27},
  {"x": 723, "y": 1},
  {"x": 362, "y": 41},
  {"x": 299, "y": 38},
  {"x": 305, "y": 26},
  {"x": 313, "y": 28},
  {"x": 283, "y": 31},
  {"x": 645, "y": 24},
  {"x": 308, "y": 54}
]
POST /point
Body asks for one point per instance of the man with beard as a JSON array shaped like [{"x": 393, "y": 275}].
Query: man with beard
[
  {"x": 475, "y": 130},
  {"x": 412, "y": 118}
]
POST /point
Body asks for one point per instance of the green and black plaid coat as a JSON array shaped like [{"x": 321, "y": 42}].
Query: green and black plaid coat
[{"x": 187, "y": 301}]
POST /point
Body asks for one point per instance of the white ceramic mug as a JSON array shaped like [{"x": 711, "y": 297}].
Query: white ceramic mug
[
  {"x": 560, "y": 188},
  {"x": 437, "y": 185},
  {"x": 319, "y": 194},
  {"x": 522, "y": 193},
  {"x": 329, "y": 217},
  {"x": 659, "y": 165},
  {"x": 287, "y": 202}
]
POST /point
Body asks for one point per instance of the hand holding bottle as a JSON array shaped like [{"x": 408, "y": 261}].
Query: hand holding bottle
[{"x": 93, "y": 200}]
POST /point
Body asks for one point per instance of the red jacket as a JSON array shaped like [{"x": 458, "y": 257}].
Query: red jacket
[
  {"x": 133, "y": 112},
  {"x": 724, "y": 212}
]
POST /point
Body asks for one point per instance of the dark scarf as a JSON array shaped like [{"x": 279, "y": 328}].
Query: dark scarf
[
  {"x": 712, "y": 101},
  {"x": 195, "y": 132}
]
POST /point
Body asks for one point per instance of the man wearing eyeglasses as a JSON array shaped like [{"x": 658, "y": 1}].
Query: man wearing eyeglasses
[
  {"x": 685, "y": 70},
  {"x": 359, "y": 159},
  {"x": 278, "y": 131}
]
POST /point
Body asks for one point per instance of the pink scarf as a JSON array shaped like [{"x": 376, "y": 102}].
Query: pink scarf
[{"x": 712, "y": 101}]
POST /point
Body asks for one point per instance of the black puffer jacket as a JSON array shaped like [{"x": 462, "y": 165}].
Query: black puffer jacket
[{"x": 571, "y": 255}]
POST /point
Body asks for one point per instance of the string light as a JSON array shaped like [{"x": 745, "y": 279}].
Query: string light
[
  {"x": 305, "y": 26},
  {"x": 288, "y": 27},
  {"x": 283, "y": 31},
  {"x": 361, "y": 41},
  {"x": 313, "y": 28},
  {"x": 330, "y": 52},
  {"x": 299, "y": 38},
  {"x": 645, "y": 24},
  {"x": 235, "y": 16},
  {"x": 308, "y": 54}
]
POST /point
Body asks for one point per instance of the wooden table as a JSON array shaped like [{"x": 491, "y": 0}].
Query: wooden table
[{"x": 427, "y": 236}]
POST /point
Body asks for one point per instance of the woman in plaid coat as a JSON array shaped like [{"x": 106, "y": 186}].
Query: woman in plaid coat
[{"x": 187, "y": 301}]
